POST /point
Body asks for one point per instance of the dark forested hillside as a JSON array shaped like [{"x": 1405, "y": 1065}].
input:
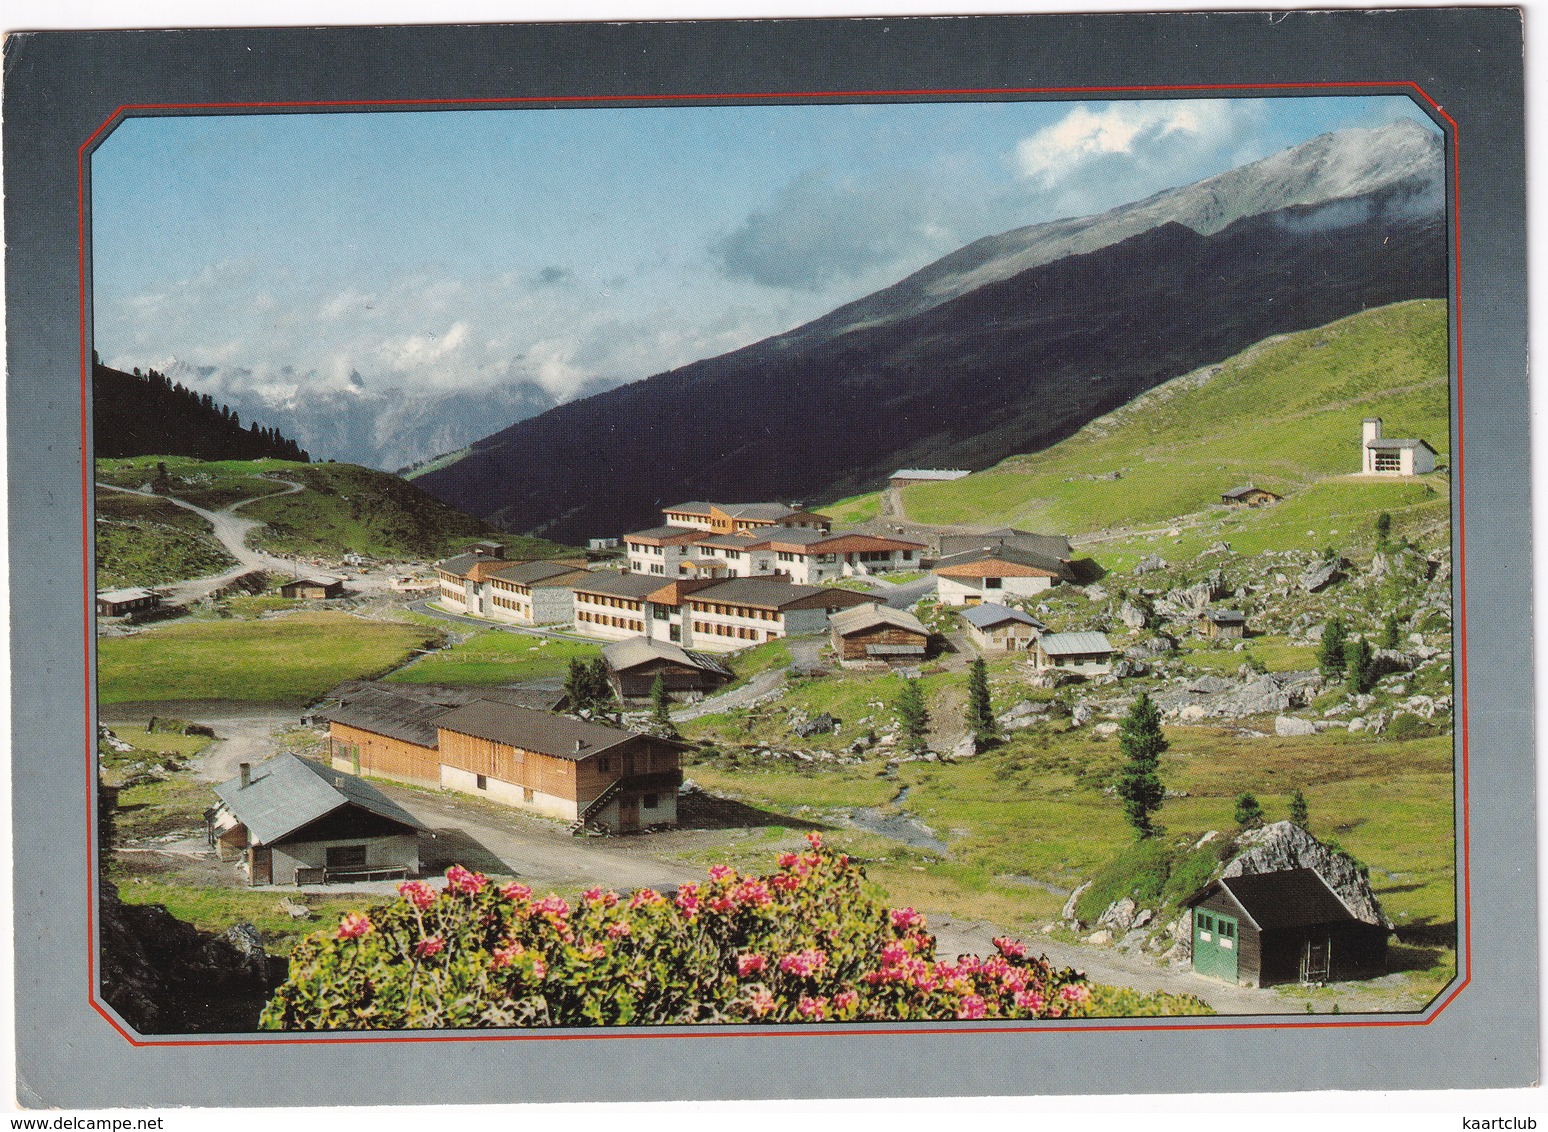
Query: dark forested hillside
[
  {"x": 136, "y": 414},
  {"x": 1012, "y": 366}
]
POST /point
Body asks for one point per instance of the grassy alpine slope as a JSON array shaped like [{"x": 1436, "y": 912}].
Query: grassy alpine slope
[
  {"x": 1282, "y": 414},
  {"x": 147, "y": 542}
]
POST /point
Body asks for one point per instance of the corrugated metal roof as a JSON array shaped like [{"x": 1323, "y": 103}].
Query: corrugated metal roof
[
  {"x": 869, "y": 616},
  {"x": 626, "y": 654},
  {"x": 1068, "y": 644},
  {"x": 287, "y": 792},
  {"x": 1385, "y": 442},
  {"x": 540, "y": 731},
  {"x": 134, "y": 593},
  {"x": 1225, "y": 616},
  {"x": 990, "y": 614}
]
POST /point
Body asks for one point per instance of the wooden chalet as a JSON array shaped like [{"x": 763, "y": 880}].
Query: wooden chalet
[
  {"x": 994, "y": 627},
  {"x": 1281, "y": 927},
  {"x": 566, "y": 768},
  {"x": 878, "y": 632},
  {"x": 1088, "y": 654},
  {"x": 1248, "y": 496},
  {"x": 317, "y": 588},
  {"x": 292, "y": 821},
  {"x": 633, "y": 666},
  {"x": 117, "y": 603},
  {"x": 490, "y": 745},
  {"x": 1223, "y": 624}
]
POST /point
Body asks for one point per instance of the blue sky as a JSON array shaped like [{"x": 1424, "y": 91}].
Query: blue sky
[{"x": 575, "y": 246}]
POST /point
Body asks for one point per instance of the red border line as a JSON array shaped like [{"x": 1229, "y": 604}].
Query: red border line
[{"x": 1459, "y": 634}]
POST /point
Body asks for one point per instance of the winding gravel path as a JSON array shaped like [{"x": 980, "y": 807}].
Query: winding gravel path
[{"x": 232, "y": 532}]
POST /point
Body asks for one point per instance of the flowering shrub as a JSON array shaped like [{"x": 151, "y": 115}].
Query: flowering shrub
[{"x": 803, "y": 944}]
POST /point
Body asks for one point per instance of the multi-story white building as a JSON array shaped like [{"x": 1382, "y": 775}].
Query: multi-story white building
[
  {"x": 996, "y": 573},
  {"x": 612, "y": 606},
  {"x": 811, "y": 557},
  {"x": 533, "y": 593},
  {"x": 728, "y": 518}
]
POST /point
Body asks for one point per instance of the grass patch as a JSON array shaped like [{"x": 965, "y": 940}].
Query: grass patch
[
  {"x": 148, "y": 542},
  {"x": 288, "y": 660},
  {"x": 1283, "y": 414},
  {"x": 494, "y": 657},
  {"x": 211, "y": 484},
  {"x": 855, "y": 509},
  {"x": 215, "y": 909}
]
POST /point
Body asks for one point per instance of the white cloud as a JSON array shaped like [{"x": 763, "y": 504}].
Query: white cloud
[{"x": 1066, "y": 149}]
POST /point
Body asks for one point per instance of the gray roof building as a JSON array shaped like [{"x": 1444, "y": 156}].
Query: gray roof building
[
  {"x": 990, "y": 614},
  {"x": 1075, "y": 644},
  {"x": 287, "y": 793},
  {"x": 632, "y": 586},
  {"x": 623, "y": 655}
]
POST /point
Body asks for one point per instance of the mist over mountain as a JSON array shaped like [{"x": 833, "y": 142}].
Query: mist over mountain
[{"x": 386, "y": 428}]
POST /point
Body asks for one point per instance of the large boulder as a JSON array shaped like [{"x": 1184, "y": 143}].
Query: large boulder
[
  {"x": 1292, "y": 725},
  {"x": 1285, "y": 845},
  {"x": 1134, "y": 615},
  {"x": 1320, "y": 575}
]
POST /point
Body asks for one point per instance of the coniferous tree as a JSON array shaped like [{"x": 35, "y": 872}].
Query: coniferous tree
[
  {"x": 661, "y": 705},
  {"x": 1249, "y": 814},
  {"x": 1357, "y": 665},
  {"x": 1383, "y": 530},
  {"x": 1331, "y": 657},
  {"x": 913, "y": 716},
  {"x": 577, "y": 686},
  {"x": 1300, "y": 812},
  {"x": 1139, "y": 785},
  {"x": 1389, "y": 632},
  {"x": 598, "y": 686},
  {"x": 980, "y": 712}
]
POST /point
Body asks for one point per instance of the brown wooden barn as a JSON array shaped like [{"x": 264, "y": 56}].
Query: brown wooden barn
[
  {"x": 1281, "y": 927},
  {"x": 566, "y": 768},
  {"x": 878, "y": 632},
  {"x": 634, "y": 664},
  {"x": 1223, "y": 624},
  {"x": 116, "y": 603},
  {"x": 295, "y": 822},
  {"x": 1248, "y": 496},
  {"x": 318, "y": 588}
]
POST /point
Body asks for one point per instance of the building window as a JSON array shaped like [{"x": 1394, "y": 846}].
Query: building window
[
  {"x": 346, "y": 857},
  {"x": 481, "y": 782},
  {"x": 649, "y": 801},
  {"x": 994, "y": 583},
  {"x": 1388, "y": 462}
]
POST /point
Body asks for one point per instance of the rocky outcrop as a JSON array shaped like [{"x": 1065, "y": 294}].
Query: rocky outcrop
[
  {"x": 1320, "y": 575},
  {"x": 165, "y": 976},
  {"x": 1291, "y": 725},
  {"x": 1285, "y": 845}
]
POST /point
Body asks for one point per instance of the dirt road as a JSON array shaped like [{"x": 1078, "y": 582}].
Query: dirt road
[{"x": 232, "y": 532}]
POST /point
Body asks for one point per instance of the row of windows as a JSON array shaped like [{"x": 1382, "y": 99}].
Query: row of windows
[
  {"x": 511, "y": 604},
  {"x": 740, "y": 632},
  {"x": 608, "y": 602},
  {"x": 734, "y": 611},
  {"x": 615, "y": 622},
  {"x": 644, "y": 548}
]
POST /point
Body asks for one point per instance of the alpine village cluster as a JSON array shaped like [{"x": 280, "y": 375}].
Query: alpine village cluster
[{"x": 1191, "y": 734}]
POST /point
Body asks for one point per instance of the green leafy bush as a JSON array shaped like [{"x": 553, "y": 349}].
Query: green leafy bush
[{"x": 803, "y": 944}]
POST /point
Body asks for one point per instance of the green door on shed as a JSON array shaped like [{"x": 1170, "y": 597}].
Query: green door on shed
[{"x": 1215, "y": 940}]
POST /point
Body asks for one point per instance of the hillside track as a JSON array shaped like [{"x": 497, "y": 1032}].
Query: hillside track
[{"x": 232, "y": 531}]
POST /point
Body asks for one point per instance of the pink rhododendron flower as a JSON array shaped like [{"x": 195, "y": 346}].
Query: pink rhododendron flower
[
  {"x": 417, "y": 892},
  {"x": 843, "y": 860},
  {"x": 1031, "y": 1000},
  {"x": 720, "y": 872},
  {"x": 506, "y": 955},
  {"x": 787, "y": 860},
  {"x": 688, "y": 899},
  {"x": 785, "y": 882},
  {"x": 514, "y": 891},
  {"x": 845, "y": 999},
  {"x": 906, "y": 918},
  {"x": 761, "y": 1001},
  {"x": 539, "y": 968},
  {"x": 971, "y": 1006},
  {"x": 459, "y": 879},
  {"x": 750, "y": 964},
  {"x": 814, "y": 839},
  {"x": 1012, "y": 948},
  {"x": 619, "y": 929},
  {"x": 592, "y": 896},
  {"x": 646, "y": 896},
  {"x": 552, "y": 905},
  {"x": 805, "y": 962},
  {"x": 354, "y": 925},
  {"x": 1075, "y": 992},
  {"x": 428, "y": 947},
  {"x": 813, "y": 1008},
  {"x": 720, "y": 904},
  {"x": 753, "y": 892},
  {"x": 892, "y": 954}
]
